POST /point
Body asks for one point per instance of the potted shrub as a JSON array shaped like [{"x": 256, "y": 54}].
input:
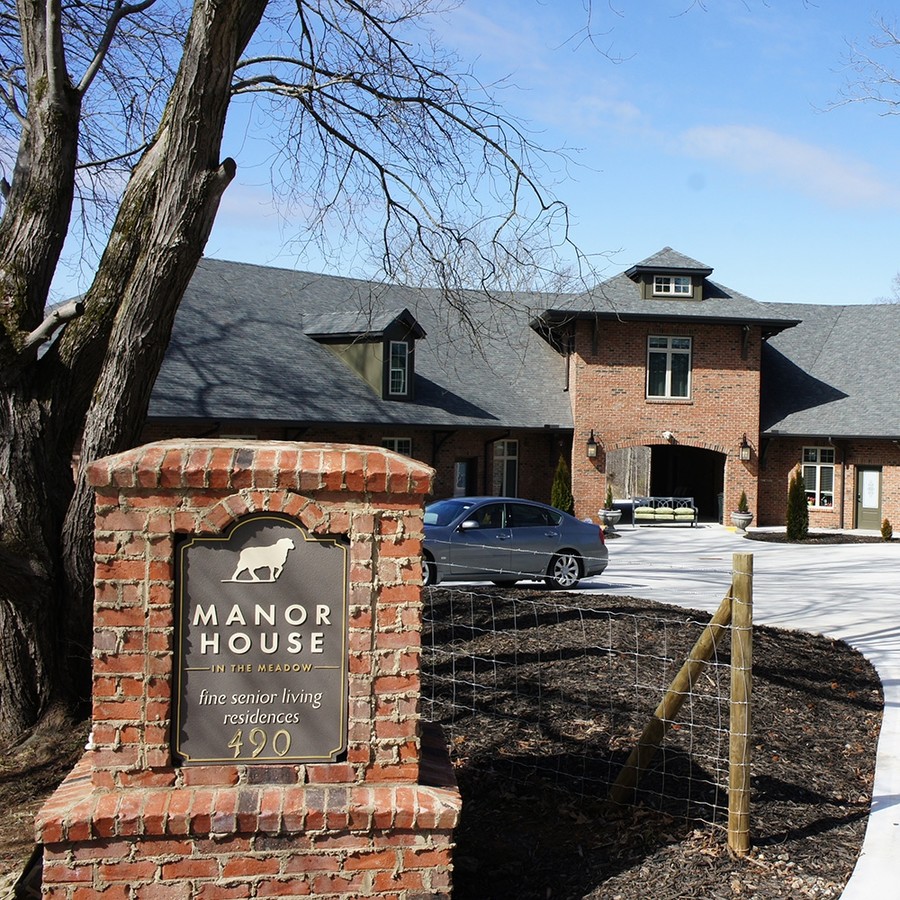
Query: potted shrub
[
  {"x": 609, "y": 515},
  {"x": 742, "y": 516}
]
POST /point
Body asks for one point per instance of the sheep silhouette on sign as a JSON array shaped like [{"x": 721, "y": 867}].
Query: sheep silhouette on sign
[{"x": 252, "y": 559}]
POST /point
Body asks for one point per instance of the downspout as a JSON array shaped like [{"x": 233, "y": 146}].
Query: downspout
[
  {"x": 843, "y": 505},
  {"x": 437, "y": 443}
]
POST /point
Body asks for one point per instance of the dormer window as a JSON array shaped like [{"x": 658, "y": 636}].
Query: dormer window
[
  {"x": 398, "y": 369},
  {"x": 672, "y": 285},
  {"x": 671, "y": 275},
  {"x": 380, "y": 346}
]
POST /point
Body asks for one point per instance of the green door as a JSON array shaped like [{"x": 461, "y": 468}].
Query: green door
[{"x": 868, "y": 497}]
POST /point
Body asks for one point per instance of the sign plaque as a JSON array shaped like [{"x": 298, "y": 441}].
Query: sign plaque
[{"x": 262, "y": 646}]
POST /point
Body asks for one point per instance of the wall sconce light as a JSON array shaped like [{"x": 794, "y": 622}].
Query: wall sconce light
[
  {"x": 591, "y": 446},
  {"x": 744, "y": 449}
]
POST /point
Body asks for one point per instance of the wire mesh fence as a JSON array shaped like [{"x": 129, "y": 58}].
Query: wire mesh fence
[{"x": 550, "y": 690}]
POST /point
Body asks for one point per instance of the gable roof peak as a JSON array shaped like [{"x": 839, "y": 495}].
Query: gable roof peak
[
  {"x": 669, "y": 260},
  {"x": 367, "y": 324}
]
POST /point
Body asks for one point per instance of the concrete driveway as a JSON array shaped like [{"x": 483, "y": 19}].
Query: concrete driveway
[{"x": 849, "y": 591}]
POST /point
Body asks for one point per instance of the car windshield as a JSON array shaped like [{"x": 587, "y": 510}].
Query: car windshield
[{"x": 444, "y": 511}]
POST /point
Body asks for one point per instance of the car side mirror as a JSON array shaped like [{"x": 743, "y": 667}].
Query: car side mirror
[{"x": 469, "y": 525}]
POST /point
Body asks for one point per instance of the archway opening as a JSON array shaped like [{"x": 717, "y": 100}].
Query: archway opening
[{"x": 678, "y": 471}]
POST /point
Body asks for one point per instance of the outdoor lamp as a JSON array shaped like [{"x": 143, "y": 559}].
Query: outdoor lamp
[
  {"x": 591, "y": 446},
  {"x": 744, "y": 450}
]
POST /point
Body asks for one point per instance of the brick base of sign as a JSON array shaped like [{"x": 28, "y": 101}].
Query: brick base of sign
[
  {"x": 248, "y": 840},
  {"x": 130, "y": 821}
]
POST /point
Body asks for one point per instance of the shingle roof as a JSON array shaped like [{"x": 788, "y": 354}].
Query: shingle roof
[
  {"x": 620, "y": 298},
  {"x": 835, "y": 374},
  {"x": 669, "y": 260},
  {"x": 360, "y": 323},
  {"x": 240, "y": 351}
]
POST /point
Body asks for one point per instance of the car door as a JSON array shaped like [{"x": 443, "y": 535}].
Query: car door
[
  {"x": 536, "y": 537},
  {"x": 478, "y": 552}
]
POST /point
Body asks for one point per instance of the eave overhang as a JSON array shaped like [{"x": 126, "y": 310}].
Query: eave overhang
[{"x": 553, "y": 319}]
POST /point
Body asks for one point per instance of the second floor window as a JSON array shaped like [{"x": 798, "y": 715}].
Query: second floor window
[
  {"x": 669, "y": 367},
  {"x": 398, "y": 371}
]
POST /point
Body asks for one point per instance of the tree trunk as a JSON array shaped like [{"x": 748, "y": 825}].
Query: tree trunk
[
  {"x": 164, "y": 222},
  {"x": 29, "y": 600},
  {"x": 36, "y": 482},
  {"x": 93, "y": 385}
]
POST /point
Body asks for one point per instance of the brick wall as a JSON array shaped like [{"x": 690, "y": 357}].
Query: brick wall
[
  {"x": 783, "y": 454},
  {"x": 608, "y": 384},
  {"x": 129, "y": 822},
  {"x": 538, "y": 452}
]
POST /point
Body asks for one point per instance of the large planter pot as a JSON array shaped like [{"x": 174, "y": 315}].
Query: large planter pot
[
  {"x": 609, "y": 518},
  {"x": 741, "y": 520}
]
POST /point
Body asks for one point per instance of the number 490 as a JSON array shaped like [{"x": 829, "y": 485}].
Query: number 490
[{"x": 258, "y": 739}]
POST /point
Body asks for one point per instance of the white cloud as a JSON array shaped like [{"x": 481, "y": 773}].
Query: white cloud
[
  {"x": 838, "y": 180},
  {"x": 595, "y": 111}
]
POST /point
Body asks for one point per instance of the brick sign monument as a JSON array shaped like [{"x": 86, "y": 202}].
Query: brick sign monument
[{"x": 256, "y": 684}]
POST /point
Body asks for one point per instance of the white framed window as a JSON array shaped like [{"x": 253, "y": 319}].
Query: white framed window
[
  {"x": 818, "y": 476},
  {"x": 506, "y": 468},
  {"x": 668, "y": 366},
  {"x": 398, "y": 445},
  {"x": 398, "y": 368},
  {"x": 669, "y": 285}
]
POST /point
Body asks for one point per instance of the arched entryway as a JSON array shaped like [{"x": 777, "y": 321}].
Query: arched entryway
[{"x": 678, "y": 471}]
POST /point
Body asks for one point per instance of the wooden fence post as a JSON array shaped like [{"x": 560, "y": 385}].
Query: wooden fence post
[
  {"x": 679, "y": 690},
  {"x": 741, "y": 688}
]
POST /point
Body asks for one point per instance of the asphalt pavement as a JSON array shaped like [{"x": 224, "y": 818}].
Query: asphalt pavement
[{"x": 846, "y": 591}]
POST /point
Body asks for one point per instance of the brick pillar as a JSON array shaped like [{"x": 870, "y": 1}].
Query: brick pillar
[{"x": 131, "y": 821}]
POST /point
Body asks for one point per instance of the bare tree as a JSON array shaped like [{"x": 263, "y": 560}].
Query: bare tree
[
  {"x": 113, "y": 113},
  {"x": 873, "y": 79}
]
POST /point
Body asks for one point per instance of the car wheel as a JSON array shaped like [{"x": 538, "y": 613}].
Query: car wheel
[
  {"x": 564, "y": 571},
  {"x": 429, "y": 572}
]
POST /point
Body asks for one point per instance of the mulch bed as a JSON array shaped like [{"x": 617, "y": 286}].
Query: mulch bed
[
  {"x": 535, "y": 820},
  {"x": 815, "y": 537},
  {"x": 551, "y": 719}
]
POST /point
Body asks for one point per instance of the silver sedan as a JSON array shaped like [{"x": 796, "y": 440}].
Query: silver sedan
[{"x": 505, "y": 540}]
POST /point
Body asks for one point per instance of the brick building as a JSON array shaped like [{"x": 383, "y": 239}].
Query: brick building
[{"x": 683, "y": 386}]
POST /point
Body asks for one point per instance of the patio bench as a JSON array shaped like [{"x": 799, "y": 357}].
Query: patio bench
[{"x": 664, "y": 510}]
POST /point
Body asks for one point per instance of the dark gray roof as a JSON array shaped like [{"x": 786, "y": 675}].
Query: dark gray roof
[
  {"x": 835, "y": 375},
  {"x": 368, "y": 323},
  {"x": 620, "y": 298},
  {"x": 240, "y": 351},
  {"x": 669, "y": 260}
]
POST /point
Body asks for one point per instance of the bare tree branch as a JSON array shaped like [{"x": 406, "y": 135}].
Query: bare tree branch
[
  {"x": 120, "y": 11},
  {"x": 875, "y": 80},
  {"x": 57, "y": 318},
  {"x": 57, "y": 77}
]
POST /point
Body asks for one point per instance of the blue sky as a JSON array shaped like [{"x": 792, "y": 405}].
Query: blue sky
[{"x": 710, "y": 128}]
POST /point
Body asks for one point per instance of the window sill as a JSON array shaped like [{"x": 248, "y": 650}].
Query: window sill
[{"x": 680, "y": 401}]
